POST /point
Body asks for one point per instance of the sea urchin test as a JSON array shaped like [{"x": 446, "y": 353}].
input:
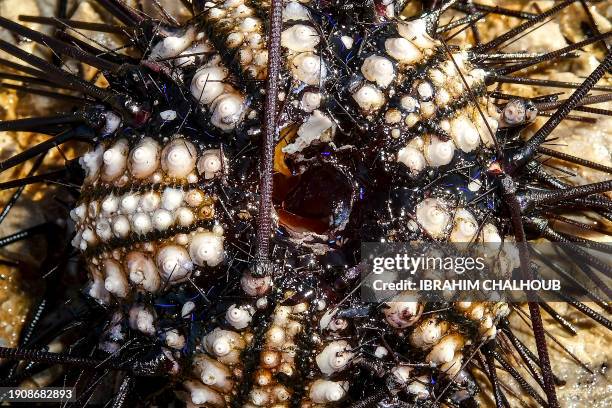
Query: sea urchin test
[{"x": 237, "y": 161}]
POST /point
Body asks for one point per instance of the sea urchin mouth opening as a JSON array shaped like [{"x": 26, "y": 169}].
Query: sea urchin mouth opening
[{"x": 317, "y": 201}]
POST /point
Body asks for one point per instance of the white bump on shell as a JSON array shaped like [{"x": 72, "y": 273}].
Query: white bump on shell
[
  {"x": 369, "y": 98},
  {"x": 403, "y": 50},
  {"x": 110, "y": 204},
  {"x": 234, "y": 39},
  {"x": 238, "y": 317},
  {"x": 324, "y": 391},
  {"x": 121, "y": 226},
  {"x": 254, "y": 286},
  {"x": 115, "y": 160},
  {"x": 115, "y": 281},
  {"x": 210, "y": 163},
  {"x": 464, "y": 134},
  {"x": 142, "y": 271},
  {"x": 171, "y": 198},
  {"x": 172, "y": 46},
  {"x": 415, "y": 31},
  {"x": 194, "y": 198},
  {"x": 402, "y": 311},
  {"x": 300, "y": 38},
  {"x": 213, "y": 373},
  {"x": 206, "y": 248},
  {"x": 162, "y": 219},
  {"x": 207, "y": 83},
  {"x": 227, "y": 110},
  {"x": 432, "y": 214},
  {"x": 249, "y": 24},
  {"x": 150, "y": 201},
  {"x": 260, "y": 58},
  {"x": 184, "y": 216},
  {"x": 308, "y": 68},
  {"x": 174, "y": 263},
  {"x": 310, "y": 101},
  {"x": 411, "y": 158},
  {"x": 200, "y": 395},
  {"x": 141, "y": 223},
  {"x": 334, "y": 357},
  {"x": 409, "y": 103},
  {"x": 142, "y": 319},
  {"x": 425, "y": 91},
  {"x": 104, "y": 230},
  {"x": 129, "y": 203},
  {"x": 438, "y": 152},
  {"x": 179, "y": 158},
  {"x": 379, "y": 70},
  {"x": 294, "y": 11},
  {"x": 174, "y": 339},
  {"x": 144, "y": 158}
]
